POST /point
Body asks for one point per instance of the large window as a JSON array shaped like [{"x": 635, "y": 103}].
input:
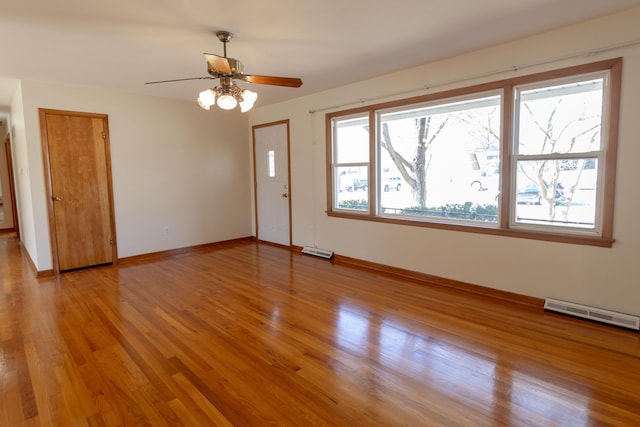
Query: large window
[
  {"x": 440, "y": 160},
  {"x": 527, "y": 157}
]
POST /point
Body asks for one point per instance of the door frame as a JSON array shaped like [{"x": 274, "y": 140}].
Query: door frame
[
  {"x": 12, "y": 185},
  {"x": 43, "y": 112},
  {"x": 255, "y": 177}
]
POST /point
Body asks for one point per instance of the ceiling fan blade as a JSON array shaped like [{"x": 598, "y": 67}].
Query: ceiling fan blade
[
  {"x": 180, "y": 80},
  {"x": 271, "y": 80},
  {"x": 218, "y": 63}
]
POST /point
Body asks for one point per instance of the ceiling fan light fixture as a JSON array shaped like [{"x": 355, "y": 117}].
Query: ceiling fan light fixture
[
  {"x": 227, "y": 102},
  {"x": 207, "y": 98},
  {"x": 248, "y": 99},
  {"x": 227, "y": 98}
]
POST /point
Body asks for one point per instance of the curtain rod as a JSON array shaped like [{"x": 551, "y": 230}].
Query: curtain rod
[{"x": 514, "y": 68}]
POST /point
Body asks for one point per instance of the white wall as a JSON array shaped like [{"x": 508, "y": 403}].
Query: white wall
[
  {"x": 173, "y": 165},
  {"x": 22, "y": 162},
  {"x": 603, "y": 277}
]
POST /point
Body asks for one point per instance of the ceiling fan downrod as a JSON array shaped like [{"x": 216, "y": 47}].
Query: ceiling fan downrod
[{"x": 224, "y": 37}]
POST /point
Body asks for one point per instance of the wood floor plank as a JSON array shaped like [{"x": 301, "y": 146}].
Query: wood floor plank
[{"x": 249, "y": 334}]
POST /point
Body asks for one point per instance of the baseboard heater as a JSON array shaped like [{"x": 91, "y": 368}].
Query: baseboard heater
[
  {"x": 322, "y": 253},
  {"x": 592, "y": 313}
]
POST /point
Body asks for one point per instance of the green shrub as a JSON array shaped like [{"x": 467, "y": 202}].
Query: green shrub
[
  {"x": 361, "y": 204},
  {"x": 467, "y": 210}
]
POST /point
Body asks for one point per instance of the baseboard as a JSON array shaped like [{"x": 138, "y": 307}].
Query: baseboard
[
  {"x": 264, "y": 242},
  {"x": 415, "y": 276},
  {"x": 178, "y": 251},
  {"x": 429, "y": 279},
  {"x": 150, "y": 256},
  {"x": 32, "y": 265}
]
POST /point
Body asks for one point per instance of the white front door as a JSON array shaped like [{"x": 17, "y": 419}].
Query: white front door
[{"x": 273, "y": 198}]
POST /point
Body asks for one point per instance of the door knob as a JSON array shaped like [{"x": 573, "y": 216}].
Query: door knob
[
  {"x": 285, "y": 195},
  {"x": 58, "y": 198}
]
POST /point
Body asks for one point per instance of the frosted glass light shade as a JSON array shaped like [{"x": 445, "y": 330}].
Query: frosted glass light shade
[
  {"x": 207, "y": 98},
  {"x": 227, "y": 102},
  {"x": 249, "y": 98}
]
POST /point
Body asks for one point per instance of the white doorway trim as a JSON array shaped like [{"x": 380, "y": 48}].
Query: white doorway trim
[{"x": 272, "y": 182}]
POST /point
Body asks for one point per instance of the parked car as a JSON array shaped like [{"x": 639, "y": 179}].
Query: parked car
[
  {"x": 360, "y": 184},
  {"x": 531, "y": 195},
  {"x": 392, "y": 183},
  {"x": 354, "y": 184}
]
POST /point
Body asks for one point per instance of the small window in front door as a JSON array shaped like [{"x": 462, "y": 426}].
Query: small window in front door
[{"x": 271, "y": 159}]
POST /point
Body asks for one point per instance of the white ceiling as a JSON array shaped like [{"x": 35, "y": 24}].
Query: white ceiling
[{"x": 120, "y": 44}]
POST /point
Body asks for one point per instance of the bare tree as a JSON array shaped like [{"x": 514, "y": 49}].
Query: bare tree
[
  {"x": 547, "y": 173},
  {"x": 414, "y": 172},
  {"x": 485, "y": 132}
]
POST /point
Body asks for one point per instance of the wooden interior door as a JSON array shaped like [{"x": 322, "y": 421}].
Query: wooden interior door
[{"x": 81, "y": 209}]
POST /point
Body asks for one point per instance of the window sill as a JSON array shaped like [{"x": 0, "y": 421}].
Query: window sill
[{"x": 505, "y": 232}]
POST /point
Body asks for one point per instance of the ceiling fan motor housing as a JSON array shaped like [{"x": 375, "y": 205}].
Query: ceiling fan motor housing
[
  {"x": 236, "y": 69},
  {"x": 236, "y": 66}
]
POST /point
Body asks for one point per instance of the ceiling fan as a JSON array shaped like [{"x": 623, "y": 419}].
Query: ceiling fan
[{"x": 228, "y": 94}]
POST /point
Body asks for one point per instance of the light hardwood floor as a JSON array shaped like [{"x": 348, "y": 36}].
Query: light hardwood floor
[{"x": 254, "y": 335}]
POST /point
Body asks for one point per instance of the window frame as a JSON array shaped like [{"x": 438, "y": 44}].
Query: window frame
[
  {"x": 598, "y": 155},
  {"x": 481, "y": 96},
  {"x": 505, "y": 226},
  {"x": 333, "y": 165}
]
